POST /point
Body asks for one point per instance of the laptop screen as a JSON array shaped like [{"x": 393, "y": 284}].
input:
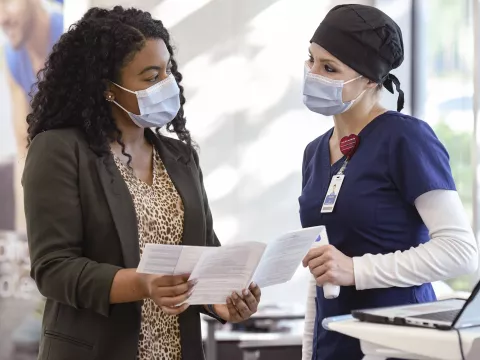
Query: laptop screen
[{"x": 470, "y": 315}]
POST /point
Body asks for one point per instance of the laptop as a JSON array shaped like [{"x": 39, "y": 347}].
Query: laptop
[{"x": 444, "y": 314}]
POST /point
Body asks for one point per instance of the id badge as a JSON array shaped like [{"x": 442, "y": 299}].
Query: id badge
[{"x": 332, "y": 194}]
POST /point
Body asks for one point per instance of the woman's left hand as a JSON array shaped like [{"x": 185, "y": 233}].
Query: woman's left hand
[
  {"x": 329, "y": 265},
  {"x": 240, "y": 308}
]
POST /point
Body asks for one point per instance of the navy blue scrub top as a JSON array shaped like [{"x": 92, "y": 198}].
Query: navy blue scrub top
[{"x": 399, "y": 159}]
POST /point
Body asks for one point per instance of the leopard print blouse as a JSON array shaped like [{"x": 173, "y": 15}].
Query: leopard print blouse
[{"x": 160, "y": 216}]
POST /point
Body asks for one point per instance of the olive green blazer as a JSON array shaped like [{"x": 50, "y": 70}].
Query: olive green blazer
[{"x": 82, "y": 229}]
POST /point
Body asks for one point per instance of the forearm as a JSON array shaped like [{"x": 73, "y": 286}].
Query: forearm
[
  {"x": 435, "y": 261},
  {"x": 127, "y": 286},
  {"x": 451, "y": 252}
]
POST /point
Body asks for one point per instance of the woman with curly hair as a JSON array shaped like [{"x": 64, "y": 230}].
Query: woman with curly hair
[{"x": 99, "y": 185}]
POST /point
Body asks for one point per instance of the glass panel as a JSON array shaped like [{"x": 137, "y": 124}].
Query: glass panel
[{"x": 449, "y": 91}]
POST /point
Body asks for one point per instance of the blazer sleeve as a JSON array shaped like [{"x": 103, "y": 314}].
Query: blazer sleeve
[{"x": 55, "y": 228}]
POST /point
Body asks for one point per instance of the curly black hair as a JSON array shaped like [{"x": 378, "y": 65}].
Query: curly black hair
[{"x": 71, "y": 85}]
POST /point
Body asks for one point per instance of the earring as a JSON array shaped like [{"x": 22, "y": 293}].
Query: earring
[{"x": 110, "y": 97}]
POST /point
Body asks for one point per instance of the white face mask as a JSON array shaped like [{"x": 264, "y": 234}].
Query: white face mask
[
  {"x": 325, "y": 96},
  {"x": 159, "y": 104}
]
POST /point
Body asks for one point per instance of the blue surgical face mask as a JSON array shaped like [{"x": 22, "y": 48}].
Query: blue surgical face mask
[
  {"x": 323, "y": 95},
  {"x": 159, "y": 104}
]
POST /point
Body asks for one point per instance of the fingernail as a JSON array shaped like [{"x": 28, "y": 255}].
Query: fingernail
[
  {"x": 245, "y": 292},
  {"x": 190, "y": 293},
  {"x": 229, "y": 301},
  {"x": 254, "y": 284},
  {"x": 235, "y": 296}
]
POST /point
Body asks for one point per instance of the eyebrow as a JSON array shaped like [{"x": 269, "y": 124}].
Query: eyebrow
[
  {"x": 326, "y": 59},
  {"x": 148, "y": 68}
]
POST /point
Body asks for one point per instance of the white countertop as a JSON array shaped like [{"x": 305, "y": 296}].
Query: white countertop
[{"x": 428, "y": 343}]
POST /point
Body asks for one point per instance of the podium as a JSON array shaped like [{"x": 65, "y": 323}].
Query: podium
[{"x": 380, "y": 342}]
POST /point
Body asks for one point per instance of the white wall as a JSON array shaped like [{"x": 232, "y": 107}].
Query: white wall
[{"x": 73, "y": 10}]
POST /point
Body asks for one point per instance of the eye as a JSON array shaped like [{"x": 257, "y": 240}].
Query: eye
[
  {"x": 329, "y": 69},
  {"x": 310, "y": 59},
  {"x": 153, "y": 79}
]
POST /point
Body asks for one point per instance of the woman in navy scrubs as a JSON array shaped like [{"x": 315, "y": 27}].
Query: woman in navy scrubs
[{"x": 397, "y": 222}]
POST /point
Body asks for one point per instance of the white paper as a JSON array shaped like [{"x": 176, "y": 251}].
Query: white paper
[
  {"x": 322, "y": 238},
  {"x": 221, "y": 272},
  {"x": 159, "y": 259},
  {"x": 283, "y": 256},
  {"x": 162, "y": 259},
  {"x": 189, "y": 258}
]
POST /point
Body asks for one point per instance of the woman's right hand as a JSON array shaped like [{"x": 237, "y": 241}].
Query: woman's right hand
[{"x": 167, "y": 291}]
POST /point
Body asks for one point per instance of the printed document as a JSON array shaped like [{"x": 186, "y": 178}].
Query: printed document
[{"x": 219, "y": 271}]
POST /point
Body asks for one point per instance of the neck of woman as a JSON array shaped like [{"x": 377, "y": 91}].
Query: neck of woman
[
  {"x": 356, "y": 118},
  {"x": 132, "y": 135}
]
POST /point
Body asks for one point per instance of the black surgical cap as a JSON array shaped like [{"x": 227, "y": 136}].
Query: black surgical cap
[{"x": 365, "y": 39}]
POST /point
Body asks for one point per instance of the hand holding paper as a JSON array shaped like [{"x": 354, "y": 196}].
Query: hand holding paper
[
  {"x": 238, "y": 308},
  {"x": 225, "y": 271},
  {"x": 221, "y": 271},
  {"x": 168, "y": 291}
]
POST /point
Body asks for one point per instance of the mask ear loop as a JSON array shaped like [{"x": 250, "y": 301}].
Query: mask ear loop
[
  {"x": 355, "y": 100},
  {"x": 121, "y": 107},
  {"x": 359, "y": 95},
  {"x": 116, "y": 103},
  {"x": 128, "y": 112},
  {"x": 110, "y": 99},
  {"x": 121, "y": 87},
  {"x": 352, "y": 80}
]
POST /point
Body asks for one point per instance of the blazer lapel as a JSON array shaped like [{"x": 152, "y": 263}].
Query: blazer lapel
[
  {"x": 122, "y": 209},
  {"x": 183, "y": 172}
]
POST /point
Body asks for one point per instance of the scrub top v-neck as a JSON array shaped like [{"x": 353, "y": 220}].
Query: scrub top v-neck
[{"x": 399, "y": 159}]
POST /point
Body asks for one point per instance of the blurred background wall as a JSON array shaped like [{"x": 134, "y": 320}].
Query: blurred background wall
[{"x": 242, "y": 63}]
